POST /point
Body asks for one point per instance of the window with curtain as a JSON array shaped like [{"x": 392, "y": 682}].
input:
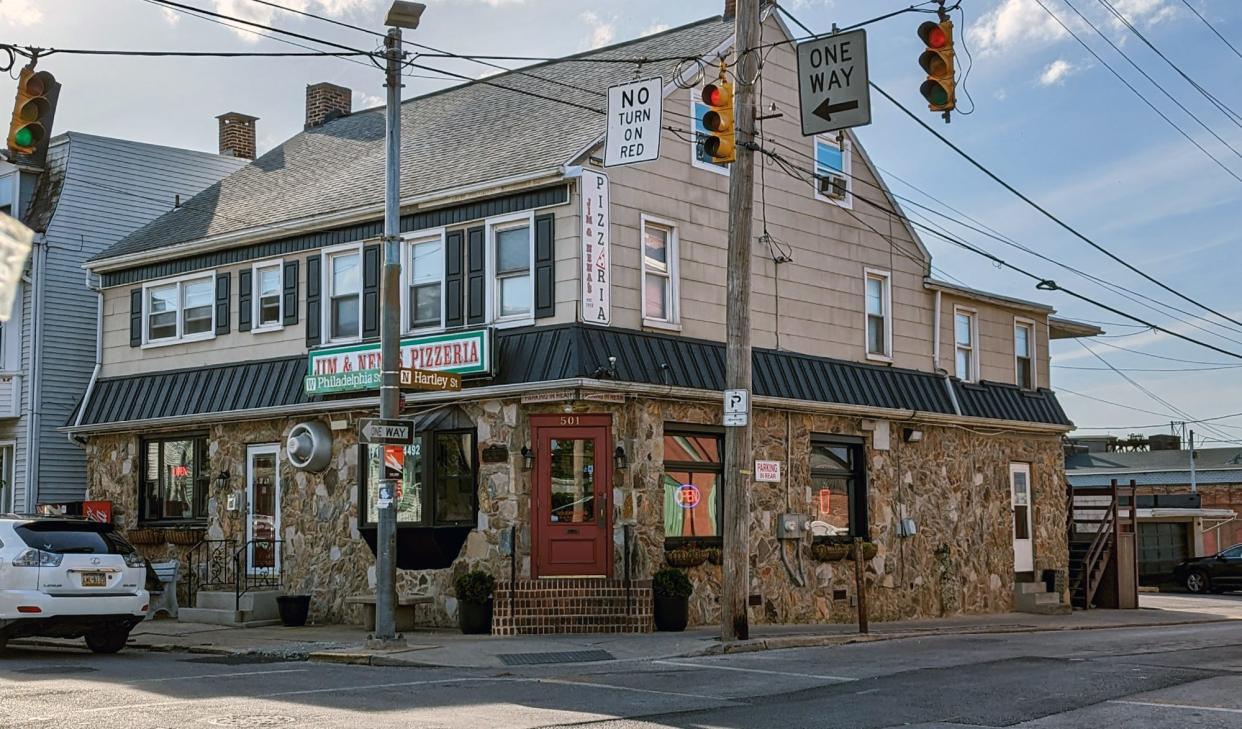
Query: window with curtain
[
  {"x": 268, "y": 288},
  {"x": 659, "y": 261},
  {"x": 692, "y": 483},
  {"x": 839, "y": 487}
]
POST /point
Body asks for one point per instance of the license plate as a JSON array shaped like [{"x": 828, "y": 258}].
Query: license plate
[{"x": 94, "y": 579}]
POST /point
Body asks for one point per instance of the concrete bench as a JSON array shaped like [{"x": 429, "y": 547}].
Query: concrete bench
[
  {"x": 405, "y": 609},
  {"x": 164, "y": 600}
]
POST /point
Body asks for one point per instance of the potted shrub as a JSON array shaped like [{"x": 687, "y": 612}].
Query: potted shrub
[
  {"x": 293, "y": 609},
  {"x": 672, "y": 590},
  {"x": 474, "y": 602}
]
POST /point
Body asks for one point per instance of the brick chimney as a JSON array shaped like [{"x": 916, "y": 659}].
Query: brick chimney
[
  {"x": 730, "y": 9},
  {"x": 237, "y": 135},
  {"x": 325, "y": 102}
]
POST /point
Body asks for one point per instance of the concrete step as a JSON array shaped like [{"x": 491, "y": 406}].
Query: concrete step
[
  {"x": 258, "y": 605},
  {"x": 229, "y": 617},
  {"x": 1038, "y": 601},
  {"x": 1027, "y": 588}
]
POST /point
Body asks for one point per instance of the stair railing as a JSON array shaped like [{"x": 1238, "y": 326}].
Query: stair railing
[
  {"x": 1101, "y": 550},
  {"x": 210, "y": 565},
  {"x": 258, "y": 565}
]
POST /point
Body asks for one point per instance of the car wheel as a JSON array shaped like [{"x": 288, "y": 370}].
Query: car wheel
[
  {"x": 107, "y": 641},
  {"x": 1197, "y": 583}
]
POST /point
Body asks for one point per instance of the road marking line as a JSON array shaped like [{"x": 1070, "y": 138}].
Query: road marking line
[
  {"x": 566, "y": 682},
  {"x": 754, "y": 670},
  {"x": 216, "y": 675},
  {"x": 1191, "y": 707}
]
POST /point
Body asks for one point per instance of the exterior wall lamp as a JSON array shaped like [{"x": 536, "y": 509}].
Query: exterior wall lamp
[
  {"x": 222, "y": 481},
  {"x": 619, "y": 460},
  {"x": 528, "y": 458},
  {"x": 911, "y": 435}
]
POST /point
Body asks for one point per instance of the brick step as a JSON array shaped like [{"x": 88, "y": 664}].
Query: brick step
[{"x": 571, "y": 605}]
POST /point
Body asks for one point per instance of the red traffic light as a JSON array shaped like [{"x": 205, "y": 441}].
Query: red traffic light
[
  {"x": 932, "y": 35},
  {"x": 712, "y": 96}
]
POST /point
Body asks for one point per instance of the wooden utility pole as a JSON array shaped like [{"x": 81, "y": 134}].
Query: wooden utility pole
[{"x": 735, "y": 587}]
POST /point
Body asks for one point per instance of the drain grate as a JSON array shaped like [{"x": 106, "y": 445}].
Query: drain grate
[
  {"x": 538, "y": 659},
  {"x": 53, "y": 670}
]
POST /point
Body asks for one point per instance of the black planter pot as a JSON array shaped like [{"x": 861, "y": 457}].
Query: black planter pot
[
  {"x": 293, "y": 609},
  {"x": 672, "y": 613},
  {"x": 475, "y": 618}
]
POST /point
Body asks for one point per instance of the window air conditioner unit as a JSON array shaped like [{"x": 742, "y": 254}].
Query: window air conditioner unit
[{"x": 831, "y": 186}]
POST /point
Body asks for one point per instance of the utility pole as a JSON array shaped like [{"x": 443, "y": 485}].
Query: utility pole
[
  {"x": 1194, "y": 482},
  {"x": 401, "y": 14},
  {"x": 735, "y": 587}
]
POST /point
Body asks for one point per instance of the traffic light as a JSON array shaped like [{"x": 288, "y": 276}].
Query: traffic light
[
  {"x": 37, "y": 92},
  {"x": 937, "y": 62},
  {"x": 718, "y": 121}
]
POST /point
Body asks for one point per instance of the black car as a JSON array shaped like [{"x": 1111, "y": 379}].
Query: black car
[{"x": 1217, "y": 573}]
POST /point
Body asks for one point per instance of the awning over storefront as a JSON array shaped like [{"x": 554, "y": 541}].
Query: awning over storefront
[{"x": 574, "y": 353}]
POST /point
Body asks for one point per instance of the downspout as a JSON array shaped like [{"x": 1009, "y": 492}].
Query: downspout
[
  {"x": 1194, "y": 484},
  {"x": 39, "y": 263},
  {"x": 936, "y": 336},
  {"x": 90, "y": 386}
]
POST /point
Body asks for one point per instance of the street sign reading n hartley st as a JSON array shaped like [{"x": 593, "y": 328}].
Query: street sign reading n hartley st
[
  {"x": 386, "y": 432},
  {"x": 833, "y": 89},
  {"x": 416, "y": 379}
]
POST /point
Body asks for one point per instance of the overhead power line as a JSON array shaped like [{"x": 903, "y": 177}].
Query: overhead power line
[
  {"x": 1074, "y": 231},
  {"x": 44, "y": 52},
  {"x": 1212, "y": 28}
]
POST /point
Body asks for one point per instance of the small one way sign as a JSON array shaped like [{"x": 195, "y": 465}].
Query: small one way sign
[
  {"x": 833, "y": 89},
  {"x": 634, "y": 113}
]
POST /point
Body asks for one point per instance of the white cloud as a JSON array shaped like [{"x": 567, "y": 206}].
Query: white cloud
[
  {"x": 267, "y": 15},
  {"x": 1056, "y": 72},
  {"x": 1001, "y": 94},
  {"x": 170, "y": 16},
  {"x": 1013, "y": 22},
  {"x": 19, "y": 13},
  {"x": 1143, "y": 12},
  {"x": 655, "y": 28},
  {"x": 367, "y": 101},
  {"x": 602, "y": 31}
]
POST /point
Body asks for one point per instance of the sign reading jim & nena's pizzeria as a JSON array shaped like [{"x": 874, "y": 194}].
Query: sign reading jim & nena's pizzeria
[{"x": 355, "y": 367}]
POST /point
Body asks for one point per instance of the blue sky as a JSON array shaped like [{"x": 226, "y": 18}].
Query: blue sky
[{"x": 1050, "y": 119}]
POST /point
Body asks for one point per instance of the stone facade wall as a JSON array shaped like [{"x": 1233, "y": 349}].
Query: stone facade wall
[{"x": 954, "y": 484}]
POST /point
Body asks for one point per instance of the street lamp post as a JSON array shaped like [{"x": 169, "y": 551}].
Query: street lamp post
[{"x": 401, "y": 15}]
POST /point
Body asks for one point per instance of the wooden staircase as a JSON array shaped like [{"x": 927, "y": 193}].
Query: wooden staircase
[
  {"x": 1097, "y": 521},
  {"x": 571, "y": 605}
]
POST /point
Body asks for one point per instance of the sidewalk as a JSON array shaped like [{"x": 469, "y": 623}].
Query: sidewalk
[{"x": 344, "y": 643}]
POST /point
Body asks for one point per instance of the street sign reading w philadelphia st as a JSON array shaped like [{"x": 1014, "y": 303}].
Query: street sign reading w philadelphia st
[{"x": 833, "y": 88}]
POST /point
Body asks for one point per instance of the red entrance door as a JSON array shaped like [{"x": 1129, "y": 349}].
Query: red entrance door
[{"x": 570, "y": 514}]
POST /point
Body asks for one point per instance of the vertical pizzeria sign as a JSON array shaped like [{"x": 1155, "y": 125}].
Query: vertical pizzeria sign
[{"x": 596, "y": 249}]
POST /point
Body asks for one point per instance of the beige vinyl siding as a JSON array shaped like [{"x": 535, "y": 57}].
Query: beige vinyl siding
[{"x": 995, "y": 347}]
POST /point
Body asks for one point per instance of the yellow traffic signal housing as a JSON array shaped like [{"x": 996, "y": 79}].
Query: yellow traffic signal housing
[
  {"x": 31, "y": 126},
  {"x": 718, "y": 121},
  {"x": 937, "y": 61}
]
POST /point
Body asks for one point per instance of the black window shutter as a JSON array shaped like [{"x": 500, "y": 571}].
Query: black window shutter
[
  {"x": 314, "y": 311},
  {"x": 245, "y": 305},
  {"x": 290, "y": 295},
  {"x": 222, "y": 303},
  {"x": 454, "y": 257},
  {"x": 135, "y": 317},
  {"x": 545, "y": 266},
  {"x": 371, "y": 291},
  {"x": 476, "y": 277}
]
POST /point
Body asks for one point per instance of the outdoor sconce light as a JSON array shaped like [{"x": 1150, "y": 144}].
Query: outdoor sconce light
[
  {"x": 528, "y": 458},
  {"x": 911, "y": 435},
  {"x": 618, "y": 458},
  {"x": 222, "y": 481}
]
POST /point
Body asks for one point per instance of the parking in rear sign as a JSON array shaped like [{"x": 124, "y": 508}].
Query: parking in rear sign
[{"x": 833, "y": 90}]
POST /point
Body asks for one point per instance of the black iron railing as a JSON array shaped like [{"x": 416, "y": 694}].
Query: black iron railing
[
  {"x": 211, "y": 566},
  {"x": 258, "y": 565}
]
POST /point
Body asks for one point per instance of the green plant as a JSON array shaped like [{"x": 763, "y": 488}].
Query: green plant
[
  {"x": 475, "y": 587},
  {"x": 669, "y": 582}
]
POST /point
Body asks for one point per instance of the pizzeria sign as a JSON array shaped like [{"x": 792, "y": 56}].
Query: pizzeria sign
[{"x": 356, "y": 367}]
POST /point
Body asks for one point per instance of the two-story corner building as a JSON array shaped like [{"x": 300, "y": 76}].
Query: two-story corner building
[
  {"x": 586, "y": 309},
  {"x": 91, "y": 192}
]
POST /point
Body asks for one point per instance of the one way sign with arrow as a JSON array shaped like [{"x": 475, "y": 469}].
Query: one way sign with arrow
[{"x": 833, "y": 92}]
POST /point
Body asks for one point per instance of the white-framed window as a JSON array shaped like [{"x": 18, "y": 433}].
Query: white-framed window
[
  {"x": 511, "y": 254},
  {"x": 180, "y": 310},
  {"x": 423, "y": 268},
  {"x": 1024, "y": 353},
  {"x": 833, "y": 181},
  {"x": 267, "y": 299},
  {"x": 698, "y": 157},
  {"x": 879, "y": 302},
  {"x": 965, "y": 338},
  {"x": 342, "y": 271},
  {"x": 659, "y": 282}
]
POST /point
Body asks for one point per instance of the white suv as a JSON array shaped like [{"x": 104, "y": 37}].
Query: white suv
[{"x": 69, "y": 578}]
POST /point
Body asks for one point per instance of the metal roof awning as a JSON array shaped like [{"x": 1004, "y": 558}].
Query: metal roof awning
[{"x": 1169, "y": 513}]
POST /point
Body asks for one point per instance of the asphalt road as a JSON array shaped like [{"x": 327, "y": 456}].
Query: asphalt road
[{"x": 1180, "y": 676}]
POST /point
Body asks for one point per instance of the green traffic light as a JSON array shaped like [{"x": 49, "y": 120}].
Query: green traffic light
[{"x": 24, "y": 137}]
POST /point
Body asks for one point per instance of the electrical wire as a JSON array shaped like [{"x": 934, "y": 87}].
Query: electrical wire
[
  {"x": 1161, "y": 356},
  {"x": 44, "y": 52},
  {"x": 1150, "y": 369},
  {"x": 1140, "y": 96},
  {"x": 1074, "y": 231},
  {"x": 1212, "y": 28}
]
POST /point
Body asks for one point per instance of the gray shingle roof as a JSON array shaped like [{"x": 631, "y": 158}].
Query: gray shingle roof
[{"x": 460, "y": 136}]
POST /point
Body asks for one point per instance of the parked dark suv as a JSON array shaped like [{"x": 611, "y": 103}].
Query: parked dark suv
[{"x": 1217, "y": 573}]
